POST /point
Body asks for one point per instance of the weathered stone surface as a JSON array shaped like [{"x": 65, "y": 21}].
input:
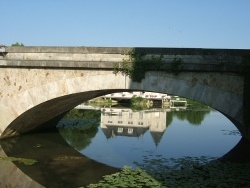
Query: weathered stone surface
[{"x": 39, "y": 83}]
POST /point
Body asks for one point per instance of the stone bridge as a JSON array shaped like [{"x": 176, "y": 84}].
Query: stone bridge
[{"x": 41, "y": 83}]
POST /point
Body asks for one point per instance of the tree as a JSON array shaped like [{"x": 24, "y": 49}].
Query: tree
[{"x": 17, "y": 44}]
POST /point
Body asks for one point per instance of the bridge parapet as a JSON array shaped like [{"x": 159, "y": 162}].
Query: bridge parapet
[{"x": 192, "y": 59}]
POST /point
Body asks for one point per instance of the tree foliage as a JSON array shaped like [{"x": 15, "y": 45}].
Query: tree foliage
[
  {"x": 137, "y": 65},
  {"x": 17, "y": 44}
]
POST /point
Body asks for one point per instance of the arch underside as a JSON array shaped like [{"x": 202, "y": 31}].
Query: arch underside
[{"x": 222, "y": 92}]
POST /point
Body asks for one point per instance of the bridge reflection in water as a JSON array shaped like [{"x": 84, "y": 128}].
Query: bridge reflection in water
[
  {"x": 13, "y": 176},
  {"x": 60, "y": 165}
]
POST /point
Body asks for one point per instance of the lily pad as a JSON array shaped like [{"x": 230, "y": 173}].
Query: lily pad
[{"x": 24, "y": 161}]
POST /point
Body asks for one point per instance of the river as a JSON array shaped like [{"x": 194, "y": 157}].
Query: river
[{"x": 177, "y": 147}]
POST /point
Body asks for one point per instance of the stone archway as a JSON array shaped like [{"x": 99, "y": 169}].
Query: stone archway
[{"x": 52, "y": 92}]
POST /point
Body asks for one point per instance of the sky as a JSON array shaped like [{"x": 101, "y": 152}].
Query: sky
[{"x": 126, "y": 23}]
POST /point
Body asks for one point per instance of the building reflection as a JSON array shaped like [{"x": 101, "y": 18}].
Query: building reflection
[
  {"x": 125, "y": 122},
  {"x": 165, "y": 101}
]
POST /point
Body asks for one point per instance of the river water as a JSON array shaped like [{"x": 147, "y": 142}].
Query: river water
[
  {"x": 207, "y": 133},
  {"x": 89, "y": 144}
]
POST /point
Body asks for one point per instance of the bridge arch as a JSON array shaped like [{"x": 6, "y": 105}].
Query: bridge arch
[{"x": 42, "y": 98}]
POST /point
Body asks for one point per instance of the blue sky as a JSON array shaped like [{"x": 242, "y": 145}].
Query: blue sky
[{"x": 126, "y": 23}]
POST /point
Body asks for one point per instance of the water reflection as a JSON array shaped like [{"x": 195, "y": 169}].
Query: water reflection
[
  {"x": 79, "y": 127},
  {"x": 177, "y": 146},
  {"x": 11, "y": 175},
  {"x": 59, "y": 165},
  {"x": 125, "y": 137},
  {"x": 125, "y": 122}
]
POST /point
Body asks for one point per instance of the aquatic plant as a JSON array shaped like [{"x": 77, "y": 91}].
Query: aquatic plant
[
  {"x": 128, "y": 177},
  {"x": 24, "y": 161},
  {"x": 67, "y": 158},
  {"x": 231, "y": 132},
  {"x": 196, "y": 172},
  {"x": 157, "y": 171}
]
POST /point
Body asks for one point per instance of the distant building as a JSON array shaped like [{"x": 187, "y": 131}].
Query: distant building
[
  {"x": 146, "y": 95},
  {"x": 166, "y": 101}
]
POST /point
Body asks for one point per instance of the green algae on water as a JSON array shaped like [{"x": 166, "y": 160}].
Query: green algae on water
[{"x": 24, "y": 161}]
